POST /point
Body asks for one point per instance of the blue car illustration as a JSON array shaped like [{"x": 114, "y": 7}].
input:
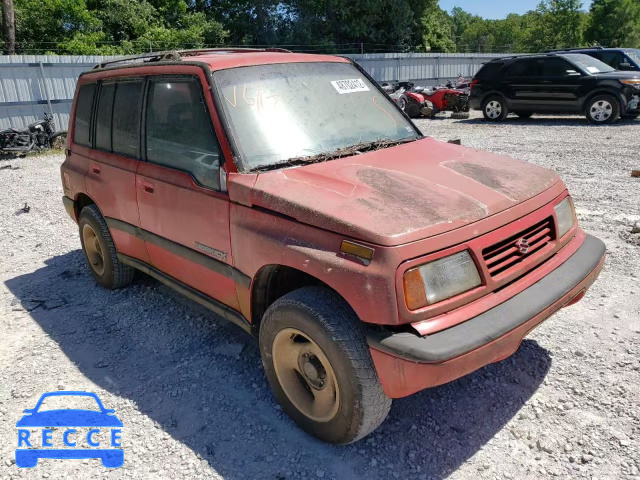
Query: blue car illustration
[{"x": 105, "y": 418}]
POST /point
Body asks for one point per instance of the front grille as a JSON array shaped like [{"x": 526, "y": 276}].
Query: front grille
[{"x": 505, "y": 256}]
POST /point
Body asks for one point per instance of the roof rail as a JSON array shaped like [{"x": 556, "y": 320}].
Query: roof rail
[
  {"x": 176, "y": 55},
  {"x": 597, "y": 47}
]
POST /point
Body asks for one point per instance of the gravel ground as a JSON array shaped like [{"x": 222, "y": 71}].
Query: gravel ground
[{"x": 190, "y": 389}]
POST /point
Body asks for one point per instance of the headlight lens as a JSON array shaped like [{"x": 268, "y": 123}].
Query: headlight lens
[
  {"x": 566, "y": 216},
  {"x": 441, "y": 279}
]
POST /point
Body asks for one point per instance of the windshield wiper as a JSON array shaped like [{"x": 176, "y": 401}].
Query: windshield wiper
[{"x": 340, "y": 153}]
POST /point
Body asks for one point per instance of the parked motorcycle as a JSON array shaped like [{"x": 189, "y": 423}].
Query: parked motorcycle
[{"x": 39, "y": 135}]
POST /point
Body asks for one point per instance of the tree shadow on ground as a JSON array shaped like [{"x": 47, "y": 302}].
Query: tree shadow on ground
[{"x": 173, "y": 359}]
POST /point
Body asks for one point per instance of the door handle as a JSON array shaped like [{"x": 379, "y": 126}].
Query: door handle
[
  {"x": 147, "y": 187},
  {"x": 95, "y": 169}
]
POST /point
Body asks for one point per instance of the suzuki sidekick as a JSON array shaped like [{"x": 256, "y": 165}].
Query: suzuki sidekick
[{"x": 290, "y": 195}]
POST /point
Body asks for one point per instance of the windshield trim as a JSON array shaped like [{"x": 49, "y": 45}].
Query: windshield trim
[{"x": 241, "y": 164}]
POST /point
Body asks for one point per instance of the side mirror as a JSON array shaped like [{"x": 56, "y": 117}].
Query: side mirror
[{"x": 625, "y": 66}]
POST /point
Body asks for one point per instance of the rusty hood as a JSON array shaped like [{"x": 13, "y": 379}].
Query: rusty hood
[{"x": 399, "y": 194}]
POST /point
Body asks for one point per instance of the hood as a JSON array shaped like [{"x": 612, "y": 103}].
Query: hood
[
  {"x": 399, "y": 194},
  {"x": 618, "y": 75}
]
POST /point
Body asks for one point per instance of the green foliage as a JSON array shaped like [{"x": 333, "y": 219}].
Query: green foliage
[
  {"x": 338, "y": 26},
  {"x": 614, "y": 23},
  {"x": 437, "y": 29}
]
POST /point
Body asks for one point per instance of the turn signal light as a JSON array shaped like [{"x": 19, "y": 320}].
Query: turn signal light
[
  {"x": 357, "y": 250},
  {"x": 414, "y": 294}
]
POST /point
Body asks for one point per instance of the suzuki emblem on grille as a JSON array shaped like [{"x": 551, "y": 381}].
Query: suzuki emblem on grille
[{"x": 523, "y": 245}]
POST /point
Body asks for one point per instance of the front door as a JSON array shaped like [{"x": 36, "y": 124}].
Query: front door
[
  {"x": 560, "y": 85},
  {"x": 184, "y": 215}
]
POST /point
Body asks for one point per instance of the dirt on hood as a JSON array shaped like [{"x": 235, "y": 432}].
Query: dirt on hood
[{"x": 403, "y": 193}]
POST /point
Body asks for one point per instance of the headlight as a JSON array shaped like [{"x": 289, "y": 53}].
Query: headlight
[
  {"x": 441, "y": 279},
  {"x": 565, "y": 215}
]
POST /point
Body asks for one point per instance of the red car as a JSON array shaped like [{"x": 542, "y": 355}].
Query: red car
[{"x": 290, "y": 195}]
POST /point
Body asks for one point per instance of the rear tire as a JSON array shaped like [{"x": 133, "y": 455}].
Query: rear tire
[
  {"x": 412, "y": 109},
  {"x": 100, "y": 252},
  {"x": 317, "y": 361},
  {"x": 495, "y": 109},
  {"x": 402, "y": 102},
  {"x": 603, "y": 110}
]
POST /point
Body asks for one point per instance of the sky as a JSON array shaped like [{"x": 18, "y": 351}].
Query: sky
[{"x": 495, "y": 8}]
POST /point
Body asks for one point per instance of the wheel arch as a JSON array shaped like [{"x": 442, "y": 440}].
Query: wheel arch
[
  {"x": 274, "y": 281},
  {"x": 604, "y": 91},
  {"x": 83, "y": 200}
]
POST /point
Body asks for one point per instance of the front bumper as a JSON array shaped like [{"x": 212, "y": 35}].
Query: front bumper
[{"x": 407, "y": 363}]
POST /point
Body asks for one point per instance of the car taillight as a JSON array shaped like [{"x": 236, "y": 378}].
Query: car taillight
[{"x": 473, "y": 83}]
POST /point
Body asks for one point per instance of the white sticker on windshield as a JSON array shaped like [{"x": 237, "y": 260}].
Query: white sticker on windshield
[
  {"x": 593, "y": 69},
  {"x": 349, "y": 86}
]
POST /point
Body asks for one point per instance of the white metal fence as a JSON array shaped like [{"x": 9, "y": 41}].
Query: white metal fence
[{"x": 30, "y": 84}]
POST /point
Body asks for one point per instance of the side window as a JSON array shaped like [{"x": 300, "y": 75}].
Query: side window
[
  {"x": 613, "y": 59},
  {"x": 126, "y": 118},
  {"x": 84, "y": 104},
  {"x": 557, "y": 67},
  {"x": 179, "y": 133},
  {"x": 525, "y": 68},
  {"x": 103, "y": 116}
]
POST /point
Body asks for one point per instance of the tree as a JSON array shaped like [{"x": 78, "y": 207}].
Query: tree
[
  {"x": 8, "y": 27},
  {"x": 436, "y": 29},
  {"x": 614, "y": 23}
]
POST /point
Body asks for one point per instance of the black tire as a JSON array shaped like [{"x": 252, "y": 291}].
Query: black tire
[
  {"x": 402, "y": 102},
  {"x": 112, "y": 274},
  {"x": 603, "y": 109},
  {"x": 58, "y": 140},
  {"x": 413, "y": 108},
  {"x": 524, "y": 114},
  {"x": 495, "y": 109},
  {"x": 330, "y": 322}
]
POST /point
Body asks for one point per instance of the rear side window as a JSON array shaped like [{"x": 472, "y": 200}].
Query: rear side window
[
  {"x": 103, "y": 116},
  {"x": 489, "y": 71},
  {"x": 524, "y": 68},
  {"x": 84, "y": 104},
  {"x": 179, "y": 133},
  {"x": 126, "y": 118},
  {"x": 557, "y": 67}
]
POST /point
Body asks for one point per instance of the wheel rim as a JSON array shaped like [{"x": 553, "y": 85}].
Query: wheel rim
[
  {"x": 601, "y": 111},
  {"x": 305, "y": 375},
  {"x": 402, "y": 103},
  {"x": 493, "y": 109},
  {"x": 93, "y": 249}
]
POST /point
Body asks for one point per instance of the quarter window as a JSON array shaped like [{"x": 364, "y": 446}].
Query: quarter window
[
  {"x": 179, "y": 132},
  {"x": 84, "y": 104},
  {"x": 126, "y": 118},
  {"x": 525, "y": 68}
]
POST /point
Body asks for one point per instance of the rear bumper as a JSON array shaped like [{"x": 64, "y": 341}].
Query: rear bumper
[
  {"x": 407, "y": 363},
  {"x": 70, "y": 207}
]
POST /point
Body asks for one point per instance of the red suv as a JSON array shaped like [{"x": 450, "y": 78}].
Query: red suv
[{"x": 290, "y": 195}]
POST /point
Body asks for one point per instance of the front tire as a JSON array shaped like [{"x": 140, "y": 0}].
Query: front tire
[
  {"x": 495, "y": 109},
  {"x": 100, "y": 251},
  {"x": 412, "y": 108},
  {"x": 318, "y": 364},
  {"x": 603, "y": 109}
]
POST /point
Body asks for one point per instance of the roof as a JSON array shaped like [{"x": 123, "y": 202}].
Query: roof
[{"x": 221, "y": 58}]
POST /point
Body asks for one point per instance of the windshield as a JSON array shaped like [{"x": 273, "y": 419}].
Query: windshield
[
  {"x": 634, "y": 55},
  {"x": 589, "y": 64},
  {"x": 301, "y": 112}
]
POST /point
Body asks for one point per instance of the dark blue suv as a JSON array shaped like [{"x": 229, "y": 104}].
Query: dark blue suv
[{"x": 624, "y": 59}]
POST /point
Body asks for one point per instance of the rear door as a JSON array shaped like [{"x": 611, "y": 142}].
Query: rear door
[
  {"x": 184, "y": 214},
  {"x": 523, "y": 84},
  {"x": 559, "y": 85},
  {"x": 111, "y": 144}
]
